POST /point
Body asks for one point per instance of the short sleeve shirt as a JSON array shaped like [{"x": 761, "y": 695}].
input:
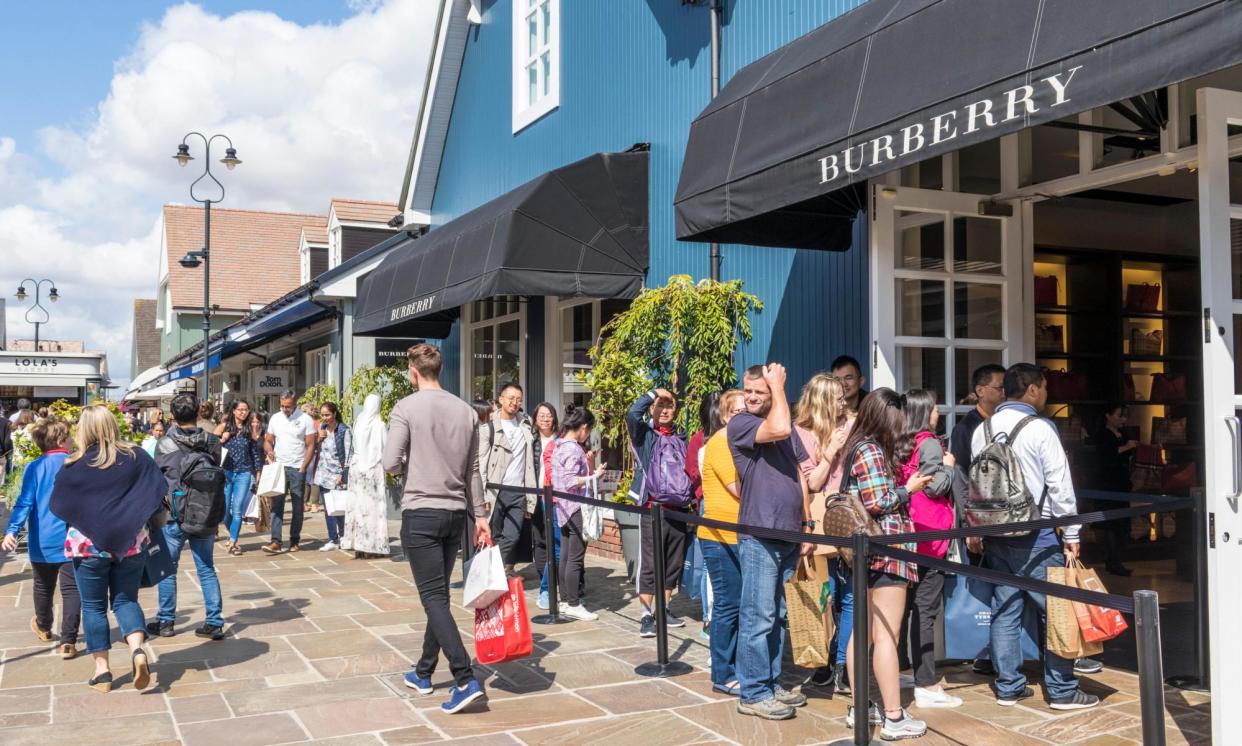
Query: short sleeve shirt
[
  {"x": 770, "y": 476},
  {"x": 719, "y": 472},
  {"x": 290, "y": 435}
]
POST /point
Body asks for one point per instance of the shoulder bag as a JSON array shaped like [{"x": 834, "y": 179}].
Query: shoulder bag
[{"x": 844, "y": 513}]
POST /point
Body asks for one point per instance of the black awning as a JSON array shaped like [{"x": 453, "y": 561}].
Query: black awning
[
  {"x": 579, "y": 230},
  {"x": 894, "y": 82}
]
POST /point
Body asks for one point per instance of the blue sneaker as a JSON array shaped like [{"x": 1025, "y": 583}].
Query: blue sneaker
[
  {"x": 462, "y": 697},
  {"x": 418, "y": 683},
  {"x": 542, "y": 602}
]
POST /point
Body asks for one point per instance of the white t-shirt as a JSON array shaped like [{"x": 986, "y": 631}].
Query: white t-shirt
[
  {"x": 515, "y": 475},
  {"x": 290, "y": 434}
]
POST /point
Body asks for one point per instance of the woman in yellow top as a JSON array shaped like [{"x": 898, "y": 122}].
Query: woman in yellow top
[{"x": 721, "y": 502}]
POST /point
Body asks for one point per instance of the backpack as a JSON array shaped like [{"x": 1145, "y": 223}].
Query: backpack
[
  {"x": 998, "y": 492},
  {"x": 666, "y": 479},
  {"x": 197, "y": 500}
]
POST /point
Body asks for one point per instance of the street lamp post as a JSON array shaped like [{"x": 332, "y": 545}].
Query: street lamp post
[
  {"x": 192, "y": 259},
  {"x": 40, "y": 313}
]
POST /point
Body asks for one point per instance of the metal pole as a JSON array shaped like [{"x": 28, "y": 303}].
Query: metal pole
[
  {"x": 207, "y": 294},
  {"x": 661, "y": 667},
  {"x": 715, "y": 12},
  {"x": 1200, "y": 681},
  {"x": 860, "y": 679},
  {"x": 1150, "y": 668},
  {"x": 550, "y": 568}
]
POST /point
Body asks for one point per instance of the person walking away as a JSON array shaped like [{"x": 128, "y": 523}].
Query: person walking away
[
  {"x": 774, "y": 496},
  {"x": 931, "y": 509},
  {"x": 721, "y": 502},
  {"x": 189, "y": 456},
  {"x": 1046, "y": 480},
  {"x": 290, "y": 442},
  {"x": 107, "y": 493},
  {"x": 848, "y": 370},
  {"x": 23, "y": 408},
  {"x": 506, "y": 456},
  {"x": 571, "y": 473},
  {"x": 242, "y": 461},
  {"x": 434, "y": 440},
  {"x": 871, "y": 475},
  {"x": 1114, "y": 451},
  {"x": 314, "y": 498},
  {"x": 652, "y": 432},
  {"x": 45, "y": 538},
  {"x": 206, "y": 417},
  {"x": 546, "y": 425},
  {"x": 6, "y": 445},
  {"x": 366, "y": 520},
  {"x": 335, "y": 443},
  {"x": 822, "y": 423}
]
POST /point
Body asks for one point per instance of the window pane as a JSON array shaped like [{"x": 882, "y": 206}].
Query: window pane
[
  {"x": 964, "y": 364},
  {"x": 547, "y": 22},
  {"x": 547, "y": 70},
  {"x": 577, "y": 336},
  {"x": 508, "y": 353},
  {"x": 977, "y": 245},
  {"x": 532, "y": 34},
  {"x": 923, "y": 368},
  {"x": 482, "y": 383},
  {"x": 976, "y": 311},
  {"x": 920, "y": 308},
  {"x": 532, "y": 83},
  {"x": 1235, "y": 254},
  {"x": 922, "y": 246}
]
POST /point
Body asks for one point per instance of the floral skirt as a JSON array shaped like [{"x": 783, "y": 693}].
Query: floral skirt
[{"x": 366, "y": 519}]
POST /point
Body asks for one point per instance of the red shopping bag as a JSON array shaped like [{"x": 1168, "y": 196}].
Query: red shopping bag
[
  {"x": 1096, "y": 622},
  {"x": 502, "y": 629}
]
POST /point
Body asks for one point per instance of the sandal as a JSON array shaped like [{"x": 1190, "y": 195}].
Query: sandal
[
  {"x": 101, "y": 683},
  {"x": 142, "y": 670},
  {"x": 235, "y": 550}
]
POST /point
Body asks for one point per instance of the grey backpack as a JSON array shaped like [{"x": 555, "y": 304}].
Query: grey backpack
[{"x": 998, "y": 492}]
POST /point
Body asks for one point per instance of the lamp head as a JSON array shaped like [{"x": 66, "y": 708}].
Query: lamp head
[
  {"x": 183, "y": 154},
  {"x": 189, "y": 261},
  {"x": 21, "y": 292},
  {"x": 230, "y": 159},
  {"x": 54, "y": 295}
]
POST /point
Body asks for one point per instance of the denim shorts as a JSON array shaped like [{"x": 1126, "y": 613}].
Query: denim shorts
[{"x": 881, "y": 579}]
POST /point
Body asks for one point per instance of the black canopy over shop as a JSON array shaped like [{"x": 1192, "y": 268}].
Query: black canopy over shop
[
  {"x": 576, "y": 231},
  {"x": 777, "y": 158}
]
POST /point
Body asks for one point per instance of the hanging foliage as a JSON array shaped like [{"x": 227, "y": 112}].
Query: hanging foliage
[
  {"x": 320, "y": 394},
  {"x": 391, "y": 383}
]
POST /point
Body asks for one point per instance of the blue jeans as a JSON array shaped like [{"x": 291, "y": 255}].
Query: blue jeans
[
  {"x": 1007, "y": 606},
  {"x": 336, "y": 527},
  {"x": 724, "y": 567},
  {"x": 766, "y": 565},
  {"x": 295, "y": 489},
  {"x": 843, "y": 599},
  {"x": 102, "y": 580},
  {"x": 556, "y": 556},
  {"x": 204, "y": 565},
  {"x": 237, "y": 498}
]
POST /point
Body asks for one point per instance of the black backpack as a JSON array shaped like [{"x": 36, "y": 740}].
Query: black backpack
[{"x": 197, "y": 500}]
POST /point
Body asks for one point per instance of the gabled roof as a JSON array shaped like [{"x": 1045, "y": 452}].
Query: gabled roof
[
  {"x": 315, "y": 235},
  {"x": 362, "y": 211},
  {"x": 254, "y": 255}
]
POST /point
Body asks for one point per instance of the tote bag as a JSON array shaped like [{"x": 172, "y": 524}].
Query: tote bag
[
  {"x": 272, "y": 481},
  {"x": 336, "y": 502},
  {"x": 501, "y": 629},
  {"x": 159, "y": 562},
  {"x": 968, "y": 620},
  {"x": 592, "y": 515}
]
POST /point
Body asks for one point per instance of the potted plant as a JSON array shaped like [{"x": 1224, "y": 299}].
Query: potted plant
[{"x": 391, "y": 384}]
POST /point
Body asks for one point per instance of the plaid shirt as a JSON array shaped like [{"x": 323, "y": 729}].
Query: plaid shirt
[{"x": 873, "y": 481}]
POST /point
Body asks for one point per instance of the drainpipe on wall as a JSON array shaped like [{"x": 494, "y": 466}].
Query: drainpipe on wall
[{"x": 715, "y": 9}]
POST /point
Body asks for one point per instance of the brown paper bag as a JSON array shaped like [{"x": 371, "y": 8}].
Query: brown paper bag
[
  {"x": 808, "y": 643},
  {"x": 1064, "y": 635}
]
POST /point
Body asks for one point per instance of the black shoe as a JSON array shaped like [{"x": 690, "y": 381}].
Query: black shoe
[
  {"x": 160, "y": 629},
  {"x": 210, "y": 631},
  {"x": 1009, "y": 700},
  {"x": 1087, "y": 665},
  {"x": 648, "y": 627},
  {"x": 841, "y": 679},
  {"x": 983, "y": 667},
  {"x": 671, "y": 621},
  {"x": 1079, "y": 701},
  {"x": 821, "y": 677}
]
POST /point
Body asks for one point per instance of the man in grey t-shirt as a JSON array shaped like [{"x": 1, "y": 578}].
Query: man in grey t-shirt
[{"x": 433, "y": 439}]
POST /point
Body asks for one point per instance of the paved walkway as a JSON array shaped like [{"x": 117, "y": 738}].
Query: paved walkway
[{"x": 318, "y": 643}]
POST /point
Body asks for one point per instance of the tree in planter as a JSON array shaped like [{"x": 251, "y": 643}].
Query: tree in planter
[
  {"x": 391, "y": 383},
  {"x": 320, "y": 394},
  {"x": 682, "y": 337}
]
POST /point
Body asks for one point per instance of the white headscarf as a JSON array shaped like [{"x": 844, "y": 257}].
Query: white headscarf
[{"x": 370, "y": 435}]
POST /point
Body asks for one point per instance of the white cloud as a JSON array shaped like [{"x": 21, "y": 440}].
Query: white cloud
[{"x": 315, "y": 112}]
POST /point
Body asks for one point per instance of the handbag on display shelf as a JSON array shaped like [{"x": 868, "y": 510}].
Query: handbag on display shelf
[
  {"x": 1070, "y": 429},
  {"x": 1168, "y": 388},
  {"x": 1151, "y": 455},
  {"x": 1064, "y": 386},
  {"x": 1127, "y": 388},
  {"x": 1049, "y": 338},
  {"x": 1144, "y": 298},
  {"x": 1046, "y": 290},
  {"x": 1146, "y": 478},
  {"x": 1168, "y": 430},
  {"x": 1145, "y": 343},
  {"x": 1179, "y": 477}
]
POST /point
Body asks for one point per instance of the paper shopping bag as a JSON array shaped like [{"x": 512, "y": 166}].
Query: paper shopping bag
[
  {"x": 272, "y": 481},
  {"x": 486, "y": 581},
  {"x": 1097, "y": 623},
  {"x": 1065, "y": 638},
  {"x": 808, "y": 642},
  {"x": 501, "y": 629},
  {"x": 968, "y": 620},
  {"x": 336, "y": 502}
]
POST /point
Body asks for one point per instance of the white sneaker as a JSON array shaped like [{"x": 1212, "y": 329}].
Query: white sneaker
[
  {"x": 577, "y": 612},
  {"x": 938, "y": 697},
  {"x": 331, "y": 545}
]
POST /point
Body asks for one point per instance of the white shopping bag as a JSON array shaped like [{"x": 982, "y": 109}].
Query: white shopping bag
[
  {"x": 336, "y": 502},
  {"x": 272, "y": 481},
  {"x": 592, "y": 515},
  {"x": 486, "y": 580},
  {"x": 252, "y": 508}
]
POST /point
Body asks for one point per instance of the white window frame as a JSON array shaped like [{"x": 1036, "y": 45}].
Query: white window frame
[
  {"x": 526, "y": 112},
  {"x": 317, "y": 368},
  {"x": 469, "y": 325}
]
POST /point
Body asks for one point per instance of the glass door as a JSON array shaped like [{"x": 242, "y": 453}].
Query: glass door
[
  {"x": 946, "y": 292},
  {"x": 1219, "y": 113}
]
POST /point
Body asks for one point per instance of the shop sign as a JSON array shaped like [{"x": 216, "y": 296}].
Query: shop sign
[
  {"x": 391, "y": 351},
  {"x": 270, "y": 380},
  {"x": 45, "y": 364}
]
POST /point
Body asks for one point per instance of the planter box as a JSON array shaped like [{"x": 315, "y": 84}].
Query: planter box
[{"x": 609, "y": 544}]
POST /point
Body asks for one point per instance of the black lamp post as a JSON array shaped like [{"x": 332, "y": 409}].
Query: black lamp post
[
  {"x": 41, "y": 315},
  {"x": 192, "y": 259}
]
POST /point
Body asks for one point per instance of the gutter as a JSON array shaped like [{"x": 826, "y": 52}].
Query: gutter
[
  {"x": 716, "y": 11},
  {"x": 422, "y": 108}
]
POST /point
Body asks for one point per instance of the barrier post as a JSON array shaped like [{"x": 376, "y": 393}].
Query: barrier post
[
  {"x": 860, "y": 679},
  {"x": 661, "y": 667},
  {"x": 1200, "y": 681},
  {"x": 550, "y": 569},
  {"x": 1150, "y": 668}
]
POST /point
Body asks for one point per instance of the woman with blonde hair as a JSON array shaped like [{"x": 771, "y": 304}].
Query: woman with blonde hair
[{"x": 110, "y": 494}]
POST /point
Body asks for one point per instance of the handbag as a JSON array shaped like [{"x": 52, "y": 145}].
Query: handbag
[
  {"x": 1046, "y": 290},
  {"x": 844, "y": 513},
  {"x": 592, "y": 515},
  {"x": 1145, "y": 478},
  {"x": 1049, "y": 338},
  {"x": 1168, "y": 388},
  {"x": 1151, "y": 455},
  {"x": 1146, "y": 343},
  {"x": 502, "y": 629},
  {"x": 1065, "y": 386},
  {"x": 159, "y": 563},
  {"x": 1144, "y": 298},
  {"x": 1097, "y": 623},
  {"x": 1168, "y": 430},
  {"x": 819, "y": 502},
  {"x": 1065, "y": 636},
  {"x": 803, "y": 596},
  {"x": 968, "y": 620},
  {"x": 1127, "y": 388},
  {"x": 272, "y": 480},
  {"x": 1179, "y": 477},
  {"x": 336, "y": 502}
]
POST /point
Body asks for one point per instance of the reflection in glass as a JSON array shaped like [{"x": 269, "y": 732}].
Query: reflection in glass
[
  {"x": 977, "y": 245},
  {"x": 577, "y": 336},
  {"x": 922, "y": 246},
  {"x": 920, "y": 308},
  {"x": 508, "y": 353},
  {"x": 482, "y": 381},
  {"x": 1235, "y": 256},
  {"x": 965, "y": 362},
  {"x": 923, "y": 368},
  {"x": 977, "y": 311}
]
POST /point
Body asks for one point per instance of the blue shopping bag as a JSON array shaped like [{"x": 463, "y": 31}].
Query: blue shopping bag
[
  {"x": 692, "y": 570},
  {"x": 159, "y": 563},
  {"x": 968, "y": 620}
]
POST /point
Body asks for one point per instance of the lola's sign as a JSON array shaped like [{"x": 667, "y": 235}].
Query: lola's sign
[{"x": 977, "y": 116}]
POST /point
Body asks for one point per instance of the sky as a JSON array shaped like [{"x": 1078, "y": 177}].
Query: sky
[{"x": 318, "y": 96}]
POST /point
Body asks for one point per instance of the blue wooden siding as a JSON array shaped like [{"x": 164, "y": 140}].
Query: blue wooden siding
[{"x": 639, "y": 71}]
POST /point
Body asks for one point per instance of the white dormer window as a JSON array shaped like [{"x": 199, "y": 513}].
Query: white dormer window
[
  {"x": 536, "y": 59},
  {"x": 306, "y": 263}
]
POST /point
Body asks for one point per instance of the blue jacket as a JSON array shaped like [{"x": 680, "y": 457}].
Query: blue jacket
[{"x": 46, "y": 539}]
